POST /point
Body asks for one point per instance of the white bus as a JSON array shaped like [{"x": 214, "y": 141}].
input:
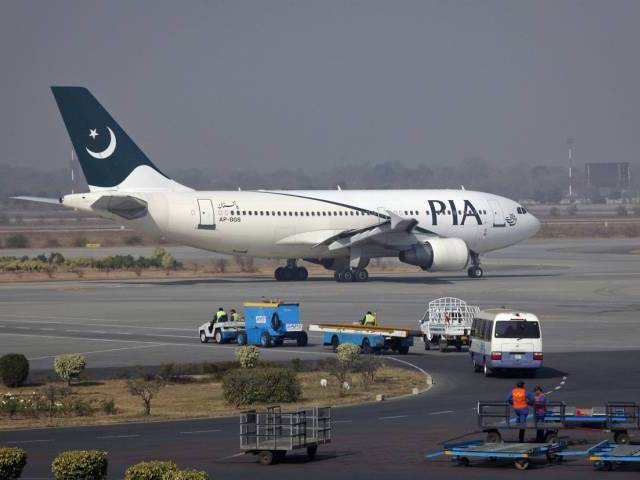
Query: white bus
[{"x": 505, "y": 339}]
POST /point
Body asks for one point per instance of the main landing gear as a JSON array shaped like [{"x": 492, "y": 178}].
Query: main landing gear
[
  {"x": 475, "y": 271},
  {"x": 291, "y": 272},
  {"x": 351, "y": 275}
]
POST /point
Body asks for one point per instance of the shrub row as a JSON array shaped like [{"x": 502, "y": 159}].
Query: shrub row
[
  {"x": 260, "y": 385},
  {"x": 41, "y": 263}
]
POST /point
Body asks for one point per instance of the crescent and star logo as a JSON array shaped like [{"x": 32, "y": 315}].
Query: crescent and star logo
[{"x": 107, "y": 152}]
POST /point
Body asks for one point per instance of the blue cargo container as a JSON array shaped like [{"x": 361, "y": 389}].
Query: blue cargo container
[{"x": 270, "y": 323}]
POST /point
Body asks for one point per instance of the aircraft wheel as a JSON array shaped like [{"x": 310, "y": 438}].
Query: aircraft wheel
[
  {"x": 279, "y": 274},
  {"x": 288, "y": 274},
  {"x": 302, "y": 273},
  {"x": 361, "y": 275},
  {"x": 347, "y": 276},
  {"x": 475, "y": 272}
]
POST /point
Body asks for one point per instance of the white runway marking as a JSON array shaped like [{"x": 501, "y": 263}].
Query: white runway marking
[
  {"x": 110, "y": 437},
  {"x": 195, "y": 432},
  {"x": 342, "y": 421},
  {"x": 104, "y": 351},
  {"x": 442, "y": 412},
  {"x": 393, "y": 417},
  {"x": 82, "y": 322}
]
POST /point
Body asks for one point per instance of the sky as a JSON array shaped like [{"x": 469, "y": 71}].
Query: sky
[{"x": 265, "y": 85}]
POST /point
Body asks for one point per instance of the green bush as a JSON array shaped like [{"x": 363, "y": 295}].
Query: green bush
[
  {"x": 17, "y": 240},
  {"x": 260, "y": 385},
  {"x": 248, "y": 356},
  {"x": 153, "y": 470},
  {"x": 80, "y": 465},
  {"x": 186, "y": 475},
  {"x": 14, "y": 369},
  {"x": 12, "y": 461},
  {"x": 69, "y": 367}
]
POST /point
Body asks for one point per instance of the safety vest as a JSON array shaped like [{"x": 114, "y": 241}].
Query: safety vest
[
  {"x": 519, "y": 398},
  {"x": 220, "y": 314},
  {"x": 370, "y": 320},
  {"x": 235, "y": 317}
]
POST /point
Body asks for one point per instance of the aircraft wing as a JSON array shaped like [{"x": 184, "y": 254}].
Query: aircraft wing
[
  {"x": 53, "y": 201},
  {"x": 394, "y": 231}
]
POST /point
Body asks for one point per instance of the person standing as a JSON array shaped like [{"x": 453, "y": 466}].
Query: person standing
[
  {"x": 520, "y": 399},
  {"x": 235, "y": 316},
  {"x": 369, "y": 319},
  {"x": 539, "y": 411}
]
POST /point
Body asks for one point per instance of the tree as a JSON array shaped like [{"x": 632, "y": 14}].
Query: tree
[
  {"x": 146, "y": 389},
  {"x": 69, "y": 367}
]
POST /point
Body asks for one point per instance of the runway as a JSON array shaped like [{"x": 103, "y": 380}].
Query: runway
[{"x": 586, "y": 293}]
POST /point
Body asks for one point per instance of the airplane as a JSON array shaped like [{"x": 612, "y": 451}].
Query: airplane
[{"x": 342, "y": 230}]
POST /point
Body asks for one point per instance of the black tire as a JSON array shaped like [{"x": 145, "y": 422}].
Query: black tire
[
  {"x": 551, "y": 437},
  {"x": 217, "y": 336},
  {"x": 521, "y": 464},
  {"x": 347, "y": 276},
  {"x": 622, "y": 438},
  {"x": 335, "y": 342},
  {"x": 336, "y": 276},
  {"x": 442, "y": 346},
  {"x": 278, "y": 341},
  {"x": 279, "y": 274},
  {"x": 302, "y": 274},
  {"x": 403, "y": 350},
  {"x": 463, "y": 462},
  {"x": 366, "y": 346},
  {"x": 361, "y": 275},
  {"x": 203, "y": 337},
  {"x": 427, "y": 343},
  {"x": 303, "y": 339},
  {"x": 311, "y": 452},
  {"x": 288, "y": 274},
  {"x": 486, "y": 370},
  {"x": 265, "y": 340},
  {"x": 266, "y": 457},
  {"x": 493, "y": 437},
  {"x": 241, "y": 339}
]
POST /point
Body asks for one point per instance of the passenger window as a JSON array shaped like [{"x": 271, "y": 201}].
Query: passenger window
[
  {"x": 313, "y": 214},
  {"x": 323, "y": 214},
  {"x": 307, "y": 213}
]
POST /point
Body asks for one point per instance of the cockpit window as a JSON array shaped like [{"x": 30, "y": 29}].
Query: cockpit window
[{"x": 521, "y": 210}]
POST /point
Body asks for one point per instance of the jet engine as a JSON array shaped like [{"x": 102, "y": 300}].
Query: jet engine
[{"x": 437, "y": 254}]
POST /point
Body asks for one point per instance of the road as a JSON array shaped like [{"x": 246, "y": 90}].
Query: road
[{"x": 586, "y": 293}]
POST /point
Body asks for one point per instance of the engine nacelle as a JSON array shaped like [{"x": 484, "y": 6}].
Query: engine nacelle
[{"x": 438, "y": 254}]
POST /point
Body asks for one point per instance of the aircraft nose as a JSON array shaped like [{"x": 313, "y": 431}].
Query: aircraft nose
[{"x": 535, "y": 225}]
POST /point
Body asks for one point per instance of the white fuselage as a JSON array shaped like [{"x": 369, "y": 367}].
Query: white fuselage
[{"x": 294, "y": 224}]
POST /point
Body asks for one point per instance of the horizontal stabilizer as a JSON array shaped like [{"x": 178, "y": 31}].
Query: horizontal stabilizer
[{"x": 52, "y": 201}]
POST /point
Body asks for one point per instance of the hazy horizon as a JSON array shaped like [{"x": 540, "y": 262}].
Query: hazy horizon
[{"x": 317, "y": 85}]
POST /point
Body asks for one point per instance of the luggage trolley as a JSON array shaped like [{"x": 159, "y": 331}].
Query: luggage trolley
[
  {"x": 496, "y": 416},
  {"x": 271, "y": 434},
  {"x": 520, "y": 454},
  {"x": 447, "y": 322},
  {"x": 606, "y": 455}
]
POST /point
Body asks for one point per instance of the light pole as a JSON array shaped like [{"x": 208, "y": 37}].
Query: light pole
[{"x": 570, "y": 147}]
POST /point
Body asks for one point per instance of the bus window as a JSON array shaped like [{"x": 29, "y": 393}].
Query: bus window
[{"x": 517, "y": 329}]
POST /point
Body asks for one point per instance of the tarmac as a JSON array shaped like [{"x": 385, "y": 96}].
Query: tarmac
[{"x": 586, "y": 293}]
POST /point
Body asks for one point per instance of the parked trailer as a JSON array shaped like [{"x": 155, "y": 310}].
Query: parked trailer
[
  {"x": 618, "y": 418},
  {"x": 520, "y": 454},
  {"x": 447, "y": 323},
  {"x": 370, "y": 339},
  {"x": 272, "y": 434},
  {"x": 607, "y": 456},
  {"x": 220, "y": 332}
]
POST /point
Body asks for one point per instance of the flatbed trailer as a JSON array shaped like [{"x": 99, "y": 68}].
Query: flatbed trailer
[
  {"x": 271, "y": 434},
  {"x": 370, "y": 339},
  {"x": 606, "y": 455},
  {"x": 520, "y": 454},
  {"x": 618, "y": 418}
]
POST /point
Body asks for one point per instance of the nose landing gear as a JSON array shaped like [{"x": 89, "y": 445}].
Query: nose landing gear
[{"x": 475, "y": 271}]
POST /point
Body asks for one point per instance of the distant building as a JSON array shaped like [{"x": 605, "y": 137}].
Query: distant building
[{"x": 611, "y": 175}]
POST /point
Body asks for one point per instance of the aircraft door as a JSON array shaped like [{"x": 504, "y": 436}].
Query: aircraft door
[
  {"x": 498, "y": 214},
  {"x": 207, "y": 218}
]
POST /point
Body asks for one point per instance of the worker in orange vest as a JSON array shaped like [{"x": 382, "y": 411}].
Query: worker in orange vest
[{"x": 520, "y": 399}]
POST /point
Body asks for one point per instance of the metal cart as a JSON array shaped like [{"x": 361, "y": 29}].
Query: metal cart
[
  {"x": 520, "y": 454},
  {"x": 447, "y": 322},
  {"x": 616, "y": 417},
  {"x": 272, "y": 433},
  {"x": 606, "y": 455}
]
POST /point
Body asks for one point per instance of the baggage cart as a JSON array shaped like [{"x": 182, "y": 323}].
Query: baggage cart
[
  {"x": 607, "y": 455},
  {"x": 370, "y": 339},
  {"x": 521, "y": 454},
  {"x": 447, "y": 323},
  {"x": 271, "y": 434}
]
